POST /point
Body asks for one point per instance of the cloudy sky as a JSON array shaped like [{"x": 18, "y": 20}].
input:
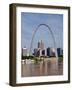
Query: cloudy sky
[{"x": 29, "y": 23}]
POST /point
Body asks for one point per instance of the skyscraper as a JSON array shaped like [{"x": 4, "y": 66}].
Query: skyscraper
[
  {"x": 35, "y": 51},
  {"x": 59, "y": 51},
  {"x": 38, "y": 44},
  {"x": 41, "y": 45},
  {"x": 48, "y": 52}
]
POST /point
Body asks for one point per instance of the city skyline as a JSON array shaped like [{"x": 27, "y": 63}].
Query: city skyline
[
  {"x": 42, "y": 50},
  {"x": 30, "y": 21}
]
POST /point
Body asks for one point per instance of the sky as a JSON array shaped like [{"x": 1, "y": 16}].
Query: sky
[{"x": 29, "y": 23}]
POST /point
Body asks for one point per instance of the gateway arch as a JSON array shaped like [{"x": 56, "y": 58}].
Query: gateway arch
[{"x": 53, "y": 38}]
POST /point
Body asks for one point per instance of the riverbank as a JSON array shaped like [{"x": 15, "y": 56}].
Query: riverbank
[{"x": 38, "y": 60}]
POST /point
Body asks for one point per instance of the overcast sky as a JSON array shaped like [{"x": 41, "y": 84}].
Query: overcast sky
[{"x": 29, "y": 23}]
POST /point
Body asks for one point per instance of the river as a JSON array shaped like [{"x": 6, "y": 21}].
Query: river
[{"x": 43, "y": 68}]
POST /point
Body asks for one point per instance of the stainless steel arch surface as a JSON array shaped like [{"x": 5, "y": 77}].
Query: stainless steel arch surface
[{"x": 31, "y": 45}]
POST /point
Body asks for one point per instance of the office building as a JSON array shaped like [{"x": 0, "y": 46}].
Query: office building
[
  {"x": 59, "y": 51},
  {"x": 24, "y": 51},
  {"x": 50, "y": 52},
  {"x": 41, "y": 45},
  {"x": 35, "y": 51},
  {"x": 53, "y": 51}
]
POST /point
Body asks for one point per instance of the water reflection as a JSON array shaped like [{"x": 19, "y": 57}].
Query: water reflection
[{"x": 43, "y": 68}]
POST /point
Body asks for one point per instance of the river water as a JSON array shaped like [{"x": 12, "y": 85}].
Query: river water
[{"x": 43, "y": 68}]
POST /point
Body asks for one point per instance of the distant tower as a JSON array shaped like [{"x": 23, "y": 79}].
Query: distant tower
[
  {"x": 41, "y": 49},
  {"x": 48, "y": 52},
  {"x": 35, "y": 51},
  {"x": 59, "y": 51},
  {"x": 41, "y": 45},
  {"x": 38, "y": 44},
  {"x": 24, "y": 51}
]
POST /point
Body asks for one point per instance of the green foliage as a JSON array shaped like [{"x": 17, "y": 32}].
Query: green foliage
[
  {"x": 60, "y": 58},
  {"x": 27, "y": 57}
]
